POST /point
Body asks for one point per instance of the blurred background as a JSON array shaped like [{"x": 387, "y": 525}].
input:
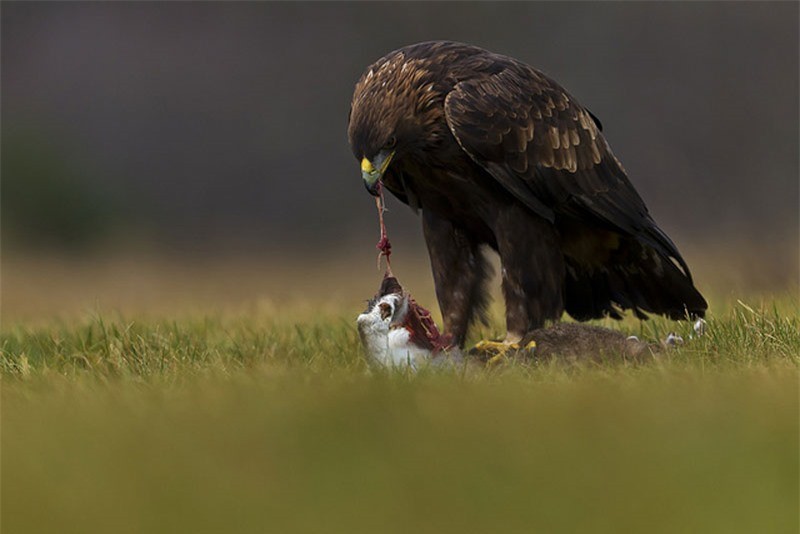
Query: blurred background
[{"x": 165, "y": 152}]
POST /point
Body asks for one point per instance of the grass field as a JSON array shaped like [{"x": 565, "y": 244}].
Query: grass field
[{"x": 265, "y": 418}]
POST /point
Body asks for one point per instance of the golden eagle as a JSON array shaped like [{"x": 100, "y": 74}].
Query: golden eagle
[{"x": 493, "y": 152}]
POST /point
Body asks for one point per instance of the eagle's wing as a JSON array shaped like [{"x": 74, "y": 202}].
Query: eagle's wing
[{"x": 547, "y": 150}]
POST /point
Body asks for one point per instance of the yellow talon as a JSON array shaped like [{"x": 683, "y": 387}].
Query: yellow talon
[
  {"x": 496, "y": 346},
  {"x": 502, "y": 346},
  {"x": 500, "y": 349},
  {"x": 496, "y": 359}
]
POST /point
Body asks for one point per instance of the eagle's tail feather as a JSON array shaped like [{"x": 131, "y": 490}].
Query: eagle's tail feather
[{"x": 642, "y": 279}]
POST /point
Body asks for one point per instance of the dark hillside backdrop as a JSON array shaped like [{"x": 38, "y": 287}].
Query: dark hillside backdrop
[{"x": 212, "y": 126}]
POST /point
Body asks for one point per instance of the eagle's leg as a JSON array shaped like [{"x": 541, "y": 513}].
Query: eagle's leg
[
  {"x": 460, "y": 272},
  {"x": 533, "y": 270}
]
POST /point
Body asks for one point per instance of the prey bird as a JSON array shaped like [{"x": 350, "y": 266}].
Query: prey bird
[
  {"x": 494, "y": 152},
  {"x": 397, "y": 332}
]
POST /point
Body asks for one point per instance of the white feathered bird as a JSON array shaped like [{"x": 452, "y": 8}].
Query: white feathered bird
[{"x": 396, "y": 331}]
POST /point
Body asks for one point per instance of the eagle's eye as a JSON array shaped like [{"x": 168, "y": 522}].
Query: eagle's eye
[{"x": 390, "y": 143}]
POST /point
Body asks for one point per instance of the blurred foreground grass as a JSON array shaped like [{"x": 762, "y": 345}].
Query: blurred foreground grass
[{"x": 265, "y": 418}]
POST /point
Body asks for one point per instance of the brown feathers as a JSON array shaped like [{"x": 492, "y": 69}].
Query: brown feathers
[{"x": 478, "y": 133}]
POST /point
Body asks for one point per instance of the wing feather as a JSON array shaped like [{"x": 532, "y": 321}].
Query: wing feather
[{"x": 548, "y": 151}]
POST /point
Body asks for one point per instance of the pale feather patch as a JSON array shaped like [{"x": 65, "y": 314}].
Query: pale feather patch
[
  {"x": 385, "y": 342},
  {"x": 404, "y": 353}
]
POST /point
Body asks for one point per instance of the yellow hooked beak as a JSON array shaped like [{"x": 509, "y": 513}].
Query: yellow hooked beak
[{"x": 372, "y": 172}]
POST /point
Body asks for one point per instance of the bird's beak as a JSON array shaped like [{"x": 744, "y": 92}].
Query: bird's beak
[{"x": 372, "y": 171}]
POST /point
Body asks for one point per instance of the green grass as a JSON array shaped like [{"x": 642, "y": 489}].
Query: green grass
[{"x": 260, "y": 422}]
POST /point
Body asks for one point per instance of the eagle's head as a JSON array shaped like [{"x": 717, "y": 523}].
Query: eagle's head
[{"x": 397, "y": 111}]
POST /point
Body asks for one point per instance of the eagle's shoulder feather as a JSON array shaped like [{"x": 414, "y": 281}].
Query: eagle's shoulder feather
[{"x": 547, "y": 150}]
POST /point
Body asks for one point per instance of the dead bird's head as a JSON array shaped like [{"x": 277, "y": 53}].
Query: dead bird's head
[{"x": 390, "y": 304}]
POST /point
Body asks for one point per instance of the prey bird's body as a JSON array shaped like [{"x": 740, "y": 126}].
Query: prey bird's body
[
  {"x": 493, "y": 152},
  {"x": 397, "y": 332}
]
